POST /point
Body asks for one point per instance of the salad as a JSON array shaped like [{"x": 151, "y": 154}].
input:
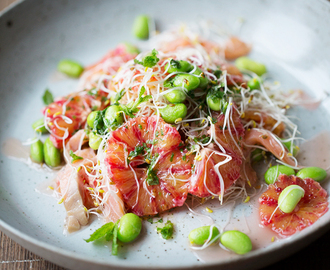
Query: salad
[{"x": 185, "y": 120}]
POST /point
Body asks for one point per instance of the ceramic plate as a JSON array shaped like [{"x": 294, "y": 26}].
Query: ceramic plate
[{"x": 290, "y": 37}]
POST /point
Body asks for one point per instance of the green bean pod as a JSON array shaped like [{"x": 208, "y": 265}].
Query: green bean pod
[
  {"x": 256, "y": 155},
  {"x": 295, "y": 149},
  {"x": 188, "y": 81},
  {"x": 316, "y": 173},
  {"x": 52, "y": 154},
  {"x": 113, "y": 116},
  {"x": 200, "y": 235},
  {"x": 273, "y": 172},
  {"x": 178, "y": 66},
  {"x": 290, "y": 197},
  {"x": 70, "y": 68},
  {"x": 246, "y": 63},
  {"x": 91, "y": 118},
  {"x": 129, "y": 228},
  {"x": 39, "y": 126},
  {"x": 131, "y": 48},
  {"x": 174, "y": 112},
  {"x": 254, "y": 83},
  {"x": 236, "y": 241},
  {"x": 94, "y": 141},
  {"x": 141, "y": 27},
  {"x": 202, "y": 78},
  {"x": 175, "y": 96},
  {"x": 37, "y": 152}
]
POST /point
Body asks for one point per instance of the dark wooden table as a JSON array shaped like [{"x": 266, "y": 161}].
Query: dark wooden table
[{"x": 315, "y": 256}]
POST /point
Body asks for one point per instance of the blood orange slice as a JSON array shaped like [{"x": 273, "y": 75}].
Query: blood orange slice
[
  {"x": 145, "y": 162},
  {"x": 310, "y": 208},
  {"x": 217, "y": 169},
  {"x": 63, "y": 126}
]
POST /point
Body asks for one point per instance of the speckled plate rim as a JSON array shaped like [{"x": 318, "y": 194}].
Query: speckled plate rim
[
  {"x": 38, "y": 247},
  {"x": 71, "y": 259}
]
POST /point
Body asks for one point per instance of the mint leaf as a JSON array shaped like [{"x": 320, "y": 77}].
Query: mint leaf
[
  {"x": 149, "y": 60},
  {"x": 47, "y": 97},
  {"x": 132, "y": 107},
  {"x": 74, "y": 157},
  {"x": 167, "y": 230},
  {"x": 118, "y": 97},
  {"x": 101, "y": 232}
]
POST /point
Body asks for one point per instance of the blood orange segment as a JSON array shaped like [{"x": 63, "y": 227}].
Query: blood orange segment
[
  {"x": 128, "y": 159},
  {"x": 205, "y": 180},
  {"x": 311, "y": 207}
]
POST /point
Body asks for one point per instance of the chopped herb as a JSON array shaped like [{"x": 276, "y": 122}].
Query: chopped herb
[
  {"x": 150, "y": 220},
  {"x": 217, "y": 73},
  {"x": 74, "y": 157},
  {"x": 167, "y": 230},
  {"x": 139, "y": 150},
  {"x": 101, "y": 232},
  {"x": 156, "y": 133},
  {"x": 99, "y": 125},
  {"x": 140, "y": 126},
  {"x": 149, "y": 61},
  {"x": 162, "y": 132},
  {"x": 205, "y": 140},
  {"x": 92, "y": 92},
  {"x": 184, "y": 157},
  {"x": 47, "y": 97},
  {"x": 160, "y": 220},
  {"x": 94, "y": 108},
  {"x": 172, "y": 156},
  {"x": 152, "y": 178}
]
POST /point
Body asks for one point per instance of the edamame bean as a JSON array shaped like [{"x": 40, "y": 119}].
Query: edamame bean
[
  {"x": 273, "y": 172},
  {"x": 70, "y": 68},
  {"x": 52, "y": 154},
  {"x": 236, "y": 241},
  {"x": 114, "y": 116},
  {"x": 131, "y": 48},
  {"x": 37, "y": 151},
  {"x": 295, "y": 149},
  {"x": 188, "y": 81},
  {"x": 216, "y": 103},
  {"x": 316, "y": 173},
  {"x": 290, "y": 197},
  {"x": 39, "y": 126},
  {"x": 248, "y": 64},
  {"x": 129, "y": 227},
  {"x": 256, "y": 155},
  {"x": 253, "y": 83},
  {"x": 200, "y": 235},
  {"x": 91, "y": 118},
  {"x": 202, "y": 78},
  {"x": 173, "y": 112},
  {"x": 175, "y": 96},
  {"x": 178, "y": 66},
  {"x": 94, "y": 141},
  {"x": 141, "y": 27}
]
